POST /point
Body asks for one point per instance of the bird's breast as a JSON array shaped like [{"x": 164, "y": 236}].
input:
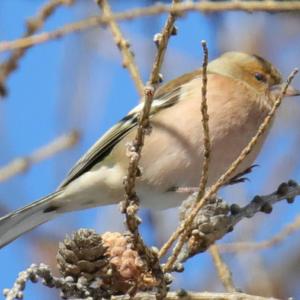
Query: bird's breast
[{"x": 173, "y": 153}]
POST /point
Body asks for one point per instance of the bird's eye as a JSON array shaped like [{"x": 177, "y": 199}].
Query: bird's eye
[{"x": 260, "y": 77}]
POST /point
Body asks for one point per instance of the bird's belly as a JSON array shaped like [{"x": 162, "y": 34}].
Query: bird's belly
[
  {"x": 226, "y": 150},
  {"x": 179, "y": 166},
  {"x": 152, "y": 198},
  {"x": 100, "y": 186},
  {"x": 103, "y": 186}
]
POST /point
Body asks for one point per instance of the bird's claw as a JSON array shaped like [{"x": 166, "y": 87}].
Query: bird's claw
[
  {"x": 238, "y": 178},
  {"x": 184, "y": 190}
]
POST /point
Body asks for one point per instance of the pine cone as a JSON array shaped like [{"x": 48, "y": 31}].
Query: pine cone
[
  {"x": 208, "y": 226},
  {"x": 82, "y": 254},
  {"x": 110, "y": 257},
  {"x": 127, "y": 267}
]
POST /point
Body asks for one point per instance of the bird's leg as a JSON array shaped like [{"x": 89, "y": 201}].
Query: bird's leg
[
  {"x": 184, "y": 190},
  {"x": 238, "y": 178},
  {"x": 187, "y": 190}
]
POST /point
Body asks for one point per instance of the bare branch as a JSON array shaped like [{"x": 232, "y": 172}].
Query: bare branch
[
  {"x": 288, "y": 230},
  {"x": 162, "y": 44},
  {"x": 81, "y": 289},
  {"x": 32, "y": 26},
  {"x": 182, "y": 295},
  {"x": 131, "y": 203},
  {"x": 204, "y": 6},
  {"x": 22, "y": 164},
  {"x": 143, "y": 125},
  {"x": 206, "y": 155},
  {"x": 123, "y": 45},
  {"x": 216, "y": 219},
  {"x": 205, "y": 119},
  {"x": 222, "y": 269}
]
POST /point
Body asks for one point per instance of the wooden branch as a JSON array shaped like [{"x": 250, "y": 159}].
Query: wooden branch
[
  {"x": 205, "y": 127},
  {"x": 200, "y": 296},
  {"x": 123, "y": 45},
  {"x": 204, "y": 7},
  {"x": 23, "y": 164},
  {"x": 32, "y": 26},
  {"x": 220, "y": 219},
  {"x": 162, "y": 44},
  {"x": 130, "y": 205},
  {"x": 135, "y": 148},
  {"x": 206, "y": 156},
  {"x": 282, "y": 235},
  {"x": 79, "y": 290},
  {"x": 222, "y": 269}
]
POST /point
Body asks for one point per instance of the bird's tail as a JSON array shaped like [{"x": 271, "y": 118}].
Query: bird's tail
[{"x": 20, "y": 221}]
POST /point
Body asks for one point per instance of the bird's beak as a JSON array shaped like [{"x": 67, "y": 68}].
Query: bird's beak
[{"x": 275, "y": 90}]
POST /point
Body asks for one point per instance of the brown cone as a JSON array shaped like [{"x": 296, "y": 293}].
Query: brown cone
[{"x": 110, "y": 257}]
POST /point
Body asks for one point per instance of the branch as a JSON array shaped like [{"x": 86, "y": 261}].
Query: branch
[
  {"x": 135, "y": 149},
  {"x": 216, "y": 219},
  {"x": 288, "y": 230},
  {"x": 32, "y": 26},
  {"x": 22, "y": 164},
  {"x": 204, "y": 7},
  {"x": 222, "y": 269},
  {"x": 82, "y": 289},
  {"x": 184, "y": 227},
  {"x": 130, "y": 205},
  {"x": 123, "y": 45},
  {"x": 206, "y": 155},
  {"x": 162, "y": 43},
  {"x": 205, "y": 127},
  {"x": 199, "y": 296}
]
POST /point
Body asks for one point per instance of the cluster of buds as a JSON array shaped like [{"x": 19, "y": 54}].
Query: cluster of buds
[{"x": 208, "y": 226}]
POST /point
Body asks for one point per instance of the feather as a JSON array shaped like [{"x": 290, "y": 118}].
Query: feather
[{"x": 102, "y": 148}]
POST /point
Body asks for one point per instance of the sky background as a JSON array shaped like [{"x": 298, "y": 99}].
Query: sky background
[{"x": 77, "y": 82}]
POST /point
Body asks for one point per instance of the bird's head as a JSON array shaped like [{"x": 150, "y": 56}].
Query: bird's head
[{"x": 253, "y": 70}]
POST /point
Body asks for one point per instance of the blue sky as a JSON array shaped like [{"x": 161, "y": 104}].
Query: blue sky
[{"x": 77, "y": 82}]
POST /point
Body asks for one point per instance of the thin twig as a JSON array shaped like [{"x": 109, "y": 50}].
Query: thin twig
[
  {"x": 206, "y": 139},
  {"x": 204, "y": 7},
  {"x": 184, "y": 295},
  {"x": 205, "y": 127},
  {"x": 288, "y": 230},
  {"x": 131, "y": 203},
  {"x": 123, "y": 45},
  {"x": 183, "y": 228},
  {"x": 22, "y": 164},
  {"x": 143, "y": 124},
  {"x": 32, "y": 26},
  {"x": 162, "y": 44},
  {"x": 220, "y": 219},
  {"x": 222, "y": 269}
]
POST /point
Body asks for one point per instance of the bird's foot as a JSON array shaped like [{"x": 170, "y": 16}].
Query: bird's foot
[
  {"x": 184, "y": 190},
  {"x": 239, "y": 178}
]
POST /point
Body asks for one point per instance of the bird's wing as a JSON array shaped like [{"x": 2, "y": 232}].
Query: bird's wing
[
  {"x": 101, "y": 148},
  {"x": 165, "y": 97}
]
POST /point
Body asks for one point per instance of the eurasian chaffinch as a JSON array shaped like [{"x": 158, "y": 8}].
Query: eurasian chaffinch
[{"x": 240, "y": 92}]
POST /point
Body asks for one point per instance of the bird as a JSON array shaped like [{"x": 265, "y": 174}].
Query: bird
[{"x": 241, "y": 89}]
